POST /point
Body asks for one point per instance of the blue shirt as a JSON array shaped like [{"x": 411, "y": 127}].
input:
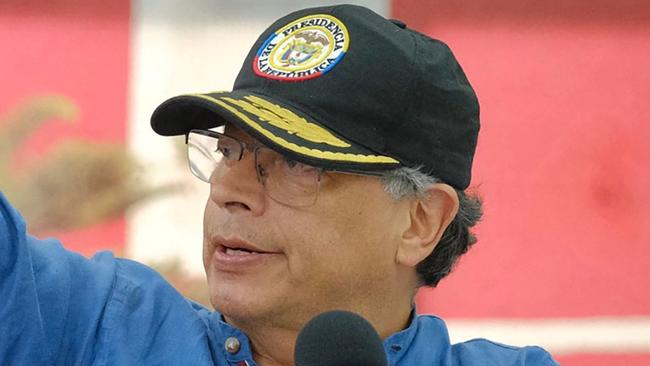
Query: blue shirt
[{"x": 60, "y": 308}]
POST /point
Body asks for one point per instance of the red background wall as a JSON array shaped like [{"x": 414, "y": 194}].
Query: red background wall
[
  {"x": 78, "y": 49},
  {"x": 561, "y": 162}
]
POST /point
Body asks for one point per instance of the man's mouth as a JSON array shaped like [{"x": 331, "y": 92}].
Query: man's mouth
[
  {"x": 233, "y": 251},
  {"x": 234, "y": 255},
  {"x": 239, "y": 251},
  {"x": 234, "y": 246}
]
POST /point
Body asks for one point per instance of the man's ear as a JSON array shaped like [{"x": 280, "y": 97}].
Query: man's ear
[{"x": 429, "y": 217}]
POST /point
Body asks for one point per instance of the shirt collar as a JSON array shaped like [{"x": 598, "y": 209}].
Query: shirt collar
[{"x": 423, "y": 331}]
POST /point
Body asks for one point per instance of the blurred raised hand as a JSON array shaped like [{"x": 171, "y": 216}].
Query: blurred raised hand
[{"x": 77, "y": 183}]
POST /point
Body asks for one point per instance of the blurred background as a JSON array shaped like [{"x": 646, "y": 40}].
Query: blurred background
[{"x": 562, "y": 259}]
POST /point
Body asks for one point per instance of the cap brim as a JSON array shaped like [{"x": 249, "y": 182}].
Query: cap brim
[{"x": 276, "y": 124}]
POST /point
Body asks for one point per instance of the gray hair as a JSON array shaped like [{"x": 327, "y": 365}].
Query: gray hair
[
  {"x": 407, "y": 182},
  {"x": 457, "y": 238}
]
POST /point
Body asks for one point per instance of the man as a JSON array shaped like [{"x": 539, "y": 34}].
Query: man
[{"x": 337, "y": 168}]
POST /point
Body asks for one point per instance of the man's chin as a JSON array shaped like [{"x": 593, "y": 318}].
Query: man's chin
[{"x": 239, "y": 301}]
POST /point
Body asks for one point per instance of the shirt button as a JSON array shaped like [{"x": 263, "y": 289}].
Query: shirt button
[{"x": 232, "y": 345}]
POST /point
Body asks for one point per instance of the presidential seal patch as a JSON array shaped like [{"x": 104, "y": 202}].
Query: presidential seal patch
[{"x": 303, "y": 49}]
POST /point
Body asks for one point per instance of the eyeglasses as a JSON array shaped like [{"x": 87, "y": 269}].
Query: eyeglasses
[{"x": 284, "y": 180}]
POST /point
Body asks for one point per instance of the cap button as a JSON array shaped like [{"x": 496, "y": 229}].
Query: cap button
[
  {"x": 398, "y": 23},
  {"x": 232, "y": 345}
]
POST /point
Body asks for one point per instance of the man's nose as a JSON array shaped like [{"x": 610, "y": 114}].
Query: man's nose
[{"x": 234, "y": 186}]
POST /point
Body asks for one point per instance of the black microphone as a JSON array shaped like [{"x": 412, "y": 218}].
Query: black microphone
[{"x": 339, "y": 338}]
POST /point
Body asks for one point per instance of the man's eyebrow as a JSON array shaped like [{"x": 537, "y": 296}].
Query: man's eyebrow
[{"x": 234, "y": 131}]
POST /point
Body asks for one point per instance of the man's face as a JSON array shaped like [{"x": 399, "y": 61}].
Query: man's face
[{"x": 336, "y": 254}]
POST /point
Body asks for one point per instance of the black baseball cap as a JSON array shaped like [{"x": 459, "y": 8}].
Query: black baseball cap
[{"x": 345, "y": 89}]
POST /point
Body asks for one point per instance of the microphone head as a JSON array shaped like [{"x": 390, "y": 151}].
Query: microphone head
[{"x": 339, "y": 338}]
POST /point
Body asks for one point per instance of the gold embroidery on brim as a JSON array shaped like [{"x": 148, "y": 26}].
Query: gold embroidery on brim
[
  {"x": 327, "y": 155},
  {"x": 285, "y": 119}
]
